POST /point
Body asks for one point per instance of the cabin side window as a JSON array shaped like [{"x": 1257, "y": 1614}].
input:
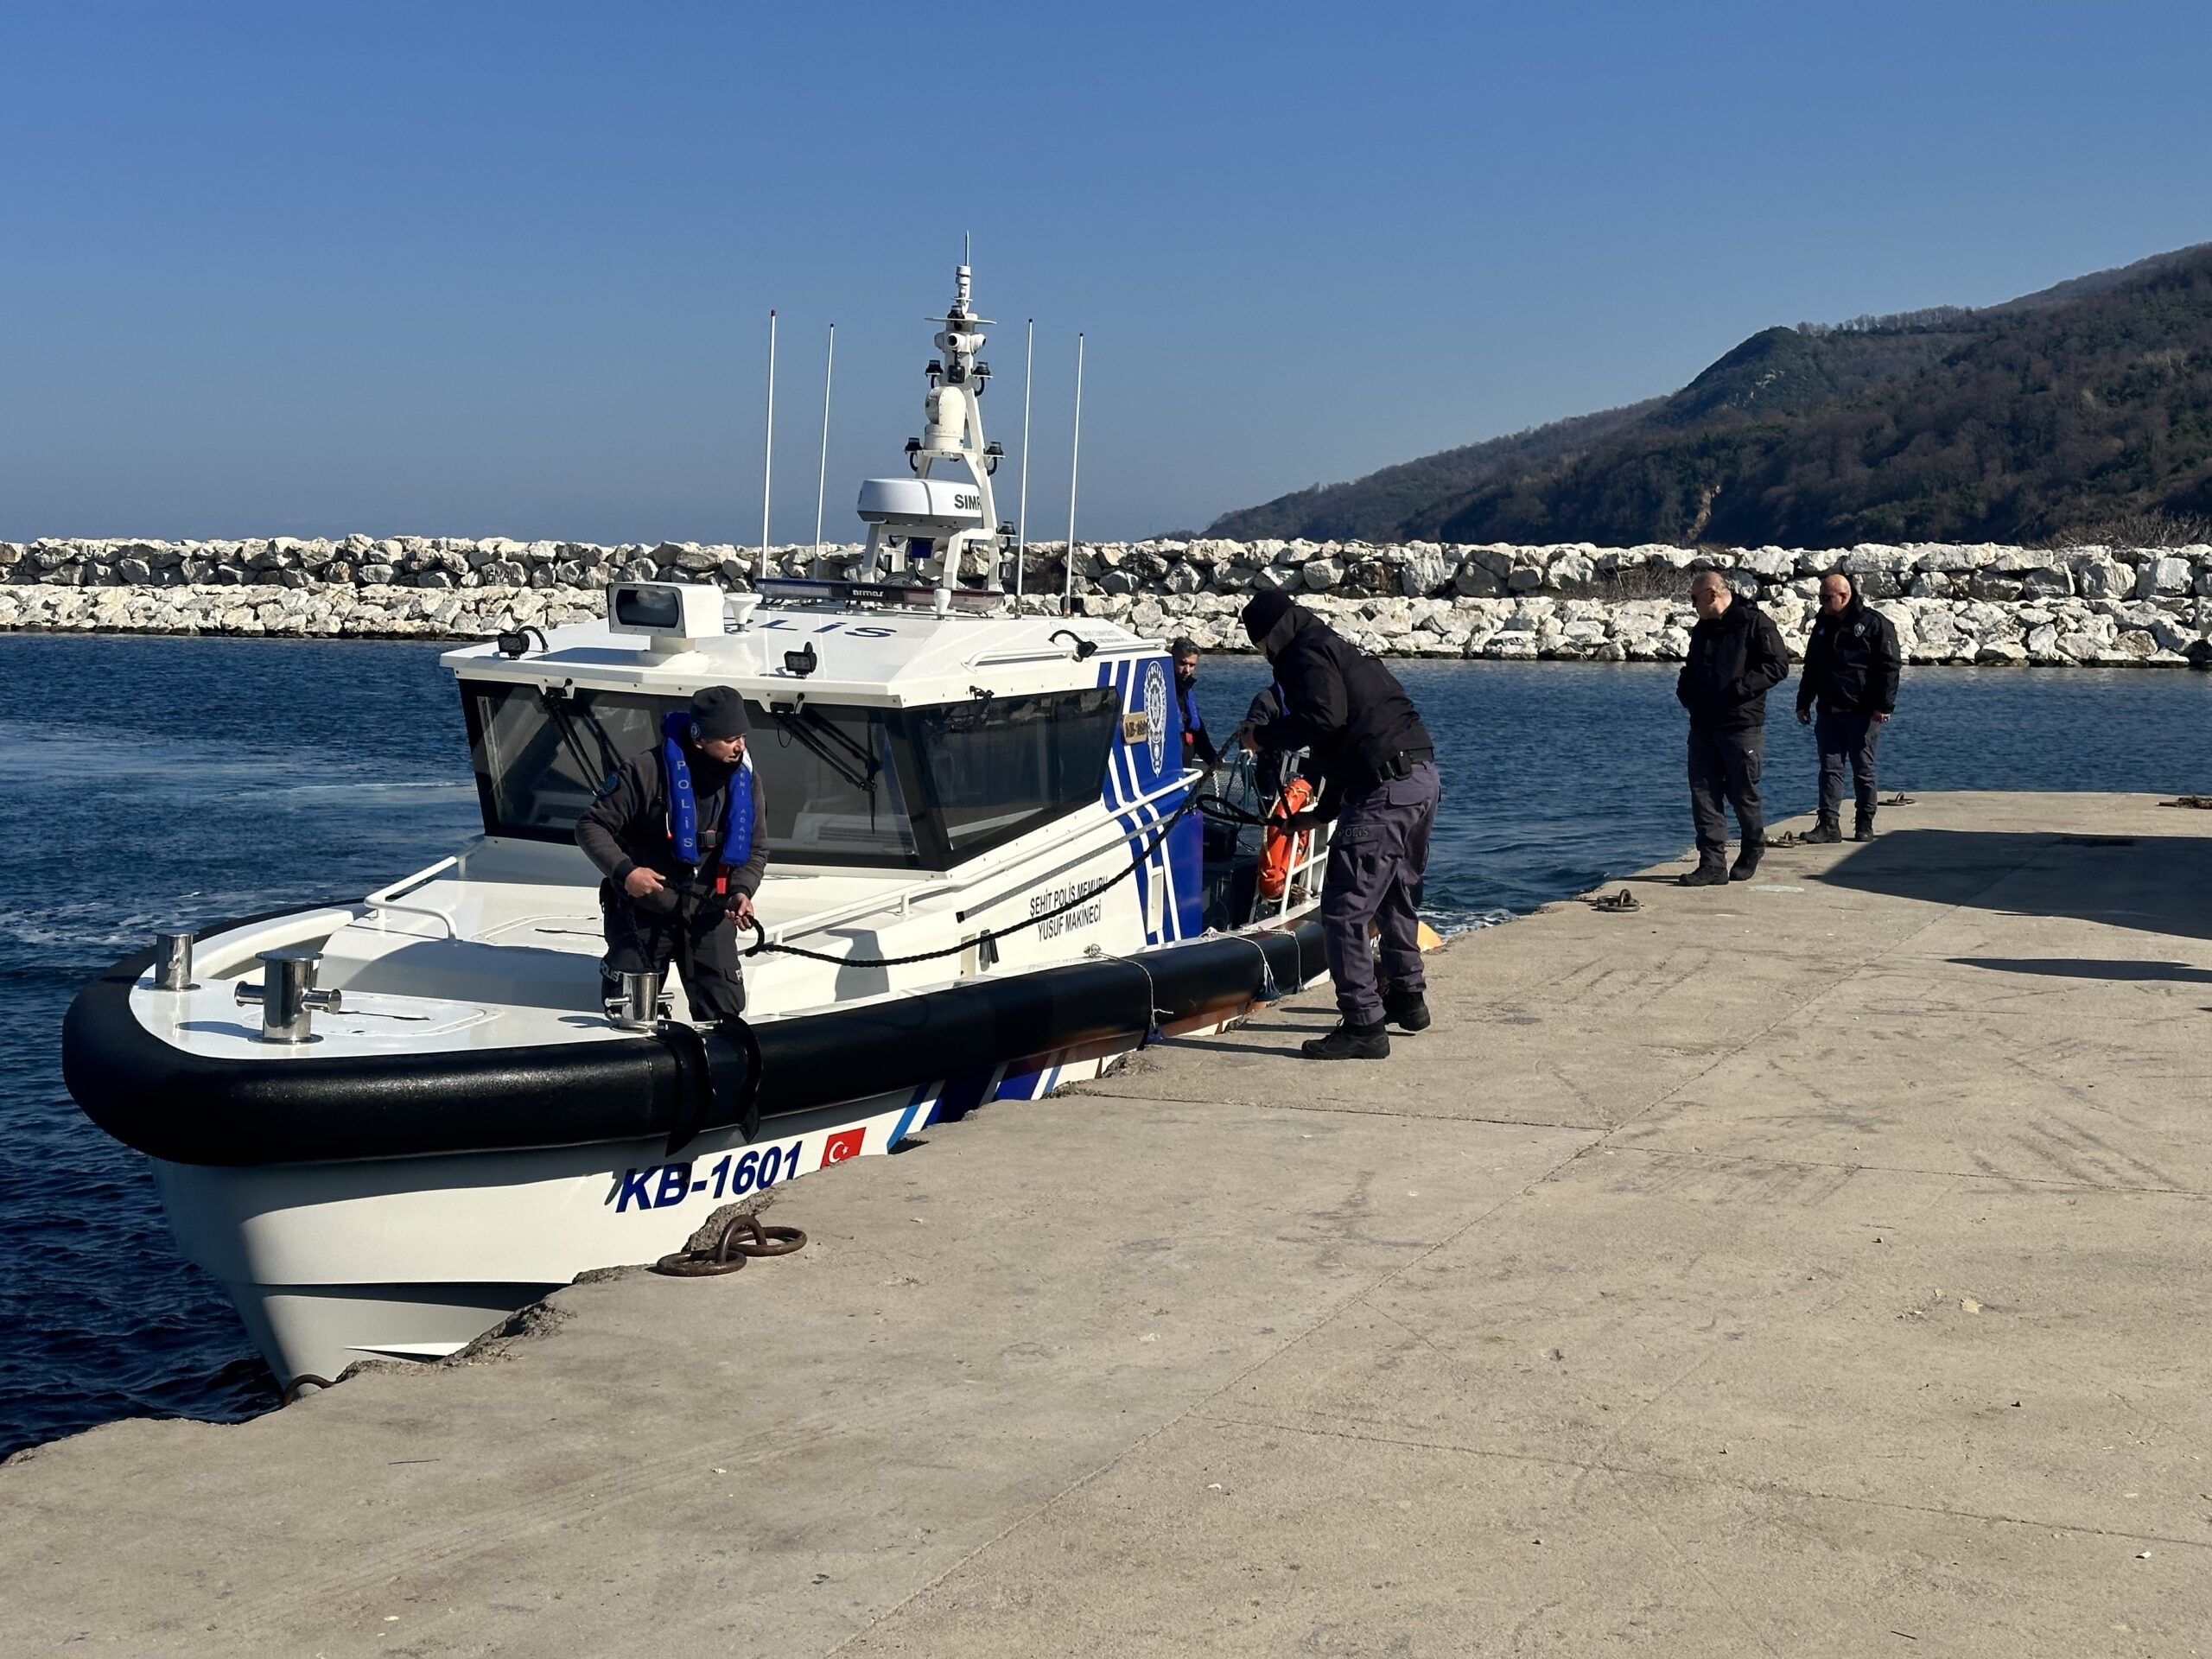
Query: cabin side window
[
  {"x": 542, "y": 756},
  {"x": 1000, "y": 767}
]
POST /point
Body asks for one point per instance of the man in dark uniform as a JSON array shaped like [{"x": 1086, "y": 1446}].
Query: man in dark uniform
[
  {"x": 1198, "y": 746},
  {"x": 1379, "y": 782},
  {"x": 1736, "y": 658},
  {"x": 1851, "y": 665},
  {"x": 679, "y": 884},
  {"x": 1271, "y": 768}
]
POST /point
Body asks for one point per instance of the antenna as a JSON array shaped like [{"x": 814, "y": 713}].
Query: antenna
[
  {"x": 1021, "y": 514},
  {"x": 1075, "y": 462},
  {"x": 768, "y": 462},
  {"x": 821, "y": 477}
]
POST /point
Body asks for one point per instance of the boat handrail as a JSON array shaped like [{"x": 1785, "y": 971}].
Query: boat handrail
[
  {"x": 1316, "y": 844},
  {"x": 385, "y": 899},
  {"x": 219, "y": 955},
  {"x": 902, "y": 897},
  {"x": 1057, "y": 654},
  {"x": 1017, "y": 878},
  {"x": 1020, "y": 874}
]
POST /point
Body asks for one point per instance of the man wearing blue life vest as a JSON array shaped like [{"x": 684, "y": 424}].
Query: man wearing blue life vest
[
  {"x": 1197, "y": 747},
  {"x": 680, "y": 880}
]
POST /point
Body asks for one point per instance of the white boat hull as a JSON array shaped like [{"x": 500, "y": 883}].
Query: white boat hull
[{"x": 414, "y": 1258}]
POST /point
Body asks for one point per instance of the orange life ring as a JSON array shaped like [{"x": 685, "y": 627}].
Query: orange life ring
[{"x": 1279, "y": 848}]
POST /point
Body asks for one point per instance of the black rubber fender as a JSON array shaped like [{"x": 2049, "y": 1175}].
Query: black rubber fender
[{"x": 677, "y": 1082}]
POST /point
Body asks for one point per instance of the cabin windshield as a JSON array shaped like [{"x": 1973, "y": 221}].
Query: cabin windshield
[{"x": 880, "y": 787}]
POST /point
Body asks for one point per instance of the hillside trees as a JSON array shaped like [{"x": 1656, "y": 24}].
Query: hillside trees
[{"x": 2089, "y": 404}]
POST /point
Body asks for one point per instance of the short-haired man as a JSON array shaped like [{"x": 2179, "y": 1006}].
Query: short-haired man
[
  {"x": 1736, "y": 658},
  {"x": 1197, "y": 747},
  {"x": 682, "y": 836},
  {"x": 1852, "y": 668}
]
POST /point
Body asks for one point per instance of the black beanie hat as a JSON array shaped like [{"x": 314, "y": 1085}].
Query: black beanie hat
[
  {"x": 1262, "y": 613},
  {"x": 718, "y": 712}
]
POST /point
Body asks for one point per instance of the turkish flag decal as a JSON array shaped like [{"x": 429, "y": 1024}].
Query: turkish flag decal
[{"x": 846, "y": 1143}]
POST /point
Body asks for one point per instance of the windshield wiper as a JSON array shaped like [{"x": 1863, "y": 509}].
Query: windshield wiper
[
  {"x": 558, "y": 703},
  {"x": 811, "y": 730}
]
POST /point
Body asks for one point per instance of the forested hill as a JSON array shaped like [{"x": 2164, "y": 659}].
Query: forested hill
[{"x": 2082, "y": 406}]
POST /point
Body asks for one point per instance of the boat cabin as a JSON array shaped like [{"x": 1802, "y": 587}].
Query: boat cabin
[{"x": 885, "y": 736}]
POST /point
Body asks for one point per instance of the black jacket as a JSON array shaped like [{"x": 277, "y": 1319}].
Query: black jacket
[
  {"x": 1852, "y": 664},
  {"x": 1341, "y": 704},
  {"x": 628, "y": 825},
  {"x": 1735, "y": 659},
  {"x": 1271, "y": 768}
]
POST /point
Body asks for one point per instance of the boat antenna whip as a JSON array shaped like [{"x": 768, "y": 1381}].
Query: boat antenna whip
[{"x": 768, "y": 447}]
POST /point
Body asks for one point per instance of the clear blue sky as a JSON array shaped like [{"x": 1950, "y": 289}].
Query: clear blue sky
[{"x": 471, "y": 268}]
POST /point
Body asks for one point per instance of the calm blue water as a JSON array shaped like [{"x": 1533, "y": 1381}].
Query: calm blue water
[{"x": 158, "y": 782}]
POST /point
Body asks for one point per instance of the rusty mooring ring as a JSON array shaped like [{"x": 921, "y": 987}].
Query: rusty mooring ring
[{"x": 730, "y": 1253}]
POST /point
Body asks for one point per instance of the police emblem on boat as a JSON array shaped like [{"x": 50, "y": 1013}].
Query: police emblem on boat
[{"x": 1155, "y": 712}]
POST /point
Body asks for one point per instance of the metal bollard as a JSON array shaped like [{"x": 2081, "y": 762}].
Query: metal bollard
[
  {"x": 639, "y": 1007},
  {"x": 288, "y": 996},
  {"x": 173, "y": 961}
]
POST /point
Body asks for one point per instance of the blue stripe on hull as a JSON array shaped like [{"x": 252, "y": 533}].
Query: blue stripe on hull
[
  {"x": 962, "y": 1095},
  {"x": 907, "y": 1117}
]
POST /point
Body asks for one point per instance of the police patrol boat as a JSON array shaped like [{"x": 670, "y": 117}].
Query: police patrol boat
[{"x": 988, "y": 876}]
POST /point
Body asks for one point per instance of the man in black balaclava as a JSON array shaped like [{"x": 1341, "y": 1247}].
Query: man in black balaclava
[
  {"x": 678, "y": 883},
  {"x": 1379, "y": 782},
  {"x": 1851, "y": 667}
]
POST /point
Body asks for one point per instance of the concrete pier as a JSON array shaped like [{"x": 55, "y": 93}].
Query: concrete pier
[{"x": 1816, "y": 1265}]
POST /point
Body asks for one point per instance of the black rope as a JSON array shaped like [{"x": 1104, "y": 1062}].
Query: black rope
[
  {"x": 1219, "y": 807},
  {"x": 760, "y": 941}
]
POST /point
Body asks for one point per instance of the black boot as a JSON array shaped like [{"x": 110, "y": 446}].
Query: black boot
[
  {"x": 1350, "y": 1042},
  {"x": 1747, "y": 862},
  {"x": 1407, "y": 1010},
  {"x": 1864, "y": 829},
  {"x": 1827, "y": 829},
  {"x": 1710, "y": 872}
]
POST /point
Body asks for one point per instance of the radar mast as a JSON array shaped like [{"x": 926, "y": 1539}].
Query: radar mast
[{"x": 947, "y": 509}]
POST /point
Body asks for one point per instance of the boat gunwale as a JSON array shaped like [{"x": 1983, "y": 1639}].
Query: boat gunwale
[{"x": 188, "y": 1107}]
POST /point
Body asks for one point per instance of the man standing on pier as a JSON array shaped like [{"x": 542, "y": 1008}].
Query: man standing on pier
[
  {"x": 1851, "y": 665},
  {"x": 682, "y": 836},
  {"x": 1736, "y": 658},
  {"x": 1379, "y": 782}
]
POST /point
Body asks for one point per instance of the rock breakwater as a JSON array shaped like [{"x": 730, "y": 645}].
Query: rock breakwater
[{"x": 1951, "y": 603}]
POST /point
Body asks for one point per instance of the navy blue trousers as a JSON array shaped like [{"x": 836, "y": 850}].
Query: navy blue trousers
[
  {"x": 1377, "y": 853},
  {"x": 1844, "y": 738}
]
